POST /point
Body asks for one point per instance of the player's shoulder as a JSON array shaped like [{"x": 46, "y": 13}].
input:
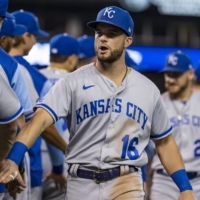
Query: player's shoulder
[
  {"x": 80, "y": 73},
  {"x": 144, "y": 82},
  {"x": 196, "y": 95},
  {"x": 6, "y": 59}
]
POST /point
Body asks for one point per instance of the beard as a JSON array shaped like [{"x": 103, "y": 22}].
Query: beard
[
  {"x": 114, "y": 55},
  {"x": 176, "y": 93}
]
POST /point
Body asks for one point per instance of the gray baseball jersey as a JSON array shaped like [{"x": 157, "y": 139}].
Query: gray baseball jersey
[
  {"x": 53, "y": 75},
  {"x": 10, "y": 108},
  {"x": 109, "y": 125},
  {"x": 185, "y": 119}
]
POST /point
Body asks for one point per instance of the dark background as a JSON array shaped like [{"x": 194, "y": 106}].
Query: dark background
[{"x": 151, "y": 28}]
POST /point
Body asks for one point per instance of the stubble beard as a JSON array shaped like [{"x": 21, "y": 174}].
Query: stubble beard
[
  {"x": 114, "y": 55},
  {"x": 180, "y": 91}
]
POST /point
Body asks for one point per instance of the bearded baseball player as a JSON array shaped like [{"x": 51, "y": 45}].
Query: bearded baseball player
[
  {"x": 181, "y": 103},
  {"x": 112, "y": 111}
]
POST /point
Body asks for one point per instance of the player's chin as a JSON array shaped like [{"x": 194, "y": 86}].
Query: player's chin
[{"x": 173, "y": 91}]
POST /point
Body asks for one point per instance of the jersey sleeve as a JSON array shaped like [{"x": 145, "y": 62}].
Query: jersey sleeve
[
  {"x": 10, "y": 108},
  {"x": 20, "y": 88},
  {"x": 57, "y": 101},
  {"x": 161, "y": 126}
]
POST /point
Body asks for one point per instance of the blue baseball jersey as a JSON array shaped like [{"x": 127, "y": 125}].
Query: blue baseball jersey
[
  {"x": 42, "y": 86},
  {"x": 16, "y": 80}
]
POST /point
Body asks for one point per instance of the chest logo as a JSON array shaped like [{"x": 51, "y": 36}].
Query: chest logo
[{"x": 87, "y": 87}]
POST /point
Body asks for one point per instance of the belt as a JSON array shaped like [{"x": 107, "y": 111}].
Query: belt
[
  {"x": 100, "y": 176},
  {"x": 190, "y": 175}
]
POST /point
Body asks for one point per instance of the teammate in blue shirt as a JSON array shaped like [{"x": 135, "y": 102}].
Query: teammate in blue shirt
[{"x": 42, "y": 86}]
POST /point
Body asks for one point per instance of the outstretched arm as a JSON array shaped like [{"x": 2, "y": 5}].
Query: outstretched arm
[
  {"x": 171, "y": 159},
  {"x": 52, "y": 136},
  {"x": 25, "y": 139}
]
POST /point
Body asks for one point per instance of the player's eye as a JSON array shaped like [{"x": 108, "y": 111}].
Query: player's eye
[
  {"x": 99, "y": 33},
  {"x": 112, "y": 34}
]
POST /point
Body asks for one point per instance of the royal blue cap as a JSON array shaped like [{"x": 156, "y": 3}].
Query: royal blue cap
[
  {"x": 3, "y": 9},
  {"x": 177, "y": 62},
  {"x": 29, "y": 20},
  {"x": 86, "y": 46},
  {"x": 64, "y": 44},
  {"x": 115, "y": 16},
  {"x": 10, "y": 28}
]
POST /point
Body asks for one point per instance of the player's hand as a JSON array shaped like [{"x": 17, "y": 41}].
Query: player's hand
[
  {"x": 13, "y": 187},
  {"x": 187, "y": 195},
  {"x": 59, "y": 180},
  {"x": 9, "y": 171}
]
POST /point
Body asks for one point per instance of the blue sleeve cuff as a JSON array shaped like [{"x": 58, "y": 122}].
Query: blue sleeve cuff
[
  {"x": 58, "y": 169},
  {"x": 48, "y": 109},
  {"x": 13, "y": 117},
  {"x": 162, "y": 134}
]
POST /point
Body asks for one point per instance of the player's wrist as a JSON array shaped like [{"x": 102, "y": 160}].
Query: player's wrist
[
  {"x": 181, "y": 180},
  {"x": 17, "y": 152},
  {"x": 58, "y": 169}
]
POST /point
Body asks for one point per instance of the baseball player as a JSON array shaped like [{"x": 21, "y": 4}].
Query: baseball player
[
  {"x": 8, "y": 31},
  {"x": 181, "y": 104},
  {"x": 64, "y": 51},
  {"x": 112, "y": 111},
  {"x": 22, "y": 46},
  {"x": 87, "y": 53},
  {"x": 10, "y": 110}
]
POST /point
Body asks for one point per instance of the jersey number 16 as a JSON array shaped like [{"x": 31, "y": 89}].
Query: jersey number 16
[{"x": 129, "y": 148}]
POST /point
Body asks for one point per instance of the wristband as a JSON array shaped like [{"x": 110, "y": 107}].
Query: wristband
[
  {"x": 181, "y": 180},
  {"x": 2, "y": 188},
  {"x": 17, "y": 152},
  {"x": 58, "y": 169}
]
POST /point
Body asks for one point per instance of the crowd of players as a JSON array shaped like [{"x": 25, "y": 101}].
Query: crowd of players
[{"x": 22, "y": 85}]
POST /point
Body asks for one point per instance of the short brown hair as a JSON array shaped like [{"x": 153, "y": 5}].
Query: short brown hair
[{"x": 58, "y": 58}]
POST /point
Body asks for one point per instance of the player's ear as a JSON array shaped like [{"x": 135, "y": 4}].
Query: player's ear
[
  {"x": 2, "y": 41},
  {"x": 191, "y": 74},
  {"x": 128, "y": 41}
]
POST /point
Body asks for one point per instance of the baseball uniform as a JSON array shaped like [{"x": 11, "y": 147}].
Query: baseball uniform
[
  {"x": 16, "y": 81},
  {"x": 186, "y": 134},
  {"x": 10, "y": 108},
  {"x": 108, "y": 129},
  {"x": 184, "y": 117},
  {"x": 42, "y": 85}
]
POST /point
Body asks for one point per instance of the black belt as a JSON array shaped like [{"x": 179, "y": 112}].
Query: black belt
[
  {"x": 100, "y": 176},
  {"x": 190, "y": 175}
]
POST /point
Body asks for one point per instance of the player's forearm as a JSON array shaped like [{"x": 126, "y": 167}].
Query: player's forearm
[
  {"x": 31, "y": 130},
  {"x": 52, "y": 136},
  {"x": 169, "y": 154},
  {"x": 7, "y": 137}
]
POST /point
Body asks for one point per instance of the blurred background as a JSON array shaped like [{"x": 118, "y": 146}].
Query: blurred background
[{"x": 161, "y": 27}]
